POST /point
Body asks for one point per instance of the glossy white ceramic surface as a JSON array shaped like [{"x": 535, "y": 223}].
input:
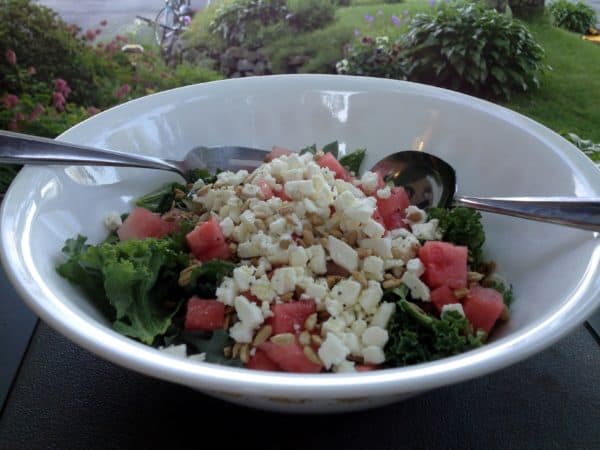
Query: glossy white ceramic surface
[{"x": 555, "y": 270}]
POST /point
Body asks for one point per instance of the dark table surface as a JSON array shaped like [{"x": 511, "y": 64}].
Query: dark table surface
[{"x": 65, "y": 397}]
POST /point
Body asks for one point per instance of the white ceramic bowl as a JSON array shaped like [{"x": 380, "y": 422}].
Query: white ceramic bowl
[{"x": 555, "y": 270}]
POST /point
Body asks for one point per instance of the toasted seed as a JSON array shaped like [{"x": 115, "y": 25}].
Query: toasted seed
[
  {"x": 388, "y": 276},
  {"x": 186, "y": 275},
  {"x": 260, "y": 225},
  {"x": 233, "y": 247},
  {"x": 262, "y": 335},
  {"x": 474, "y": 276},
  {"x": 244, "y": 353},
  {"x": 308, "y": 236},
  {"x": 287, "y": 297},
  {"x": 283, "y": 339},
  {"x": 337, "y": 233},
  {"x": 392, "y": 283},
  {"x": 227, "y": 351},
  {"x": 461, "y": 293},
  {"x": 505, "y": 315},
  {"x": 299, "y": 291},
  {"x": 179, "y": 194},
  {"x": 316, "y": 219},
  {"x": 332, "y": 280},
  {"x": 235, "y": 351},
  {"x": 304, "y": 338},
  {"x": 284, "y": 244},
  {"x": 352, "y": 238},
  {"x": 396, "y": 252},
  {"x": 319, "y": 154},
  {"x": 316, "y": 339},
  {"x": 285, "y": 210},
  {"x": 398, "y": 272},
  {"x": 324, "y": 242},
  {"x": 238, "y": 191},
  {"x": 311, "y": 355},
  {"x": 356, "y": 359},
  {"x": 203, "y": 190},
  {"x": 364, "y": 252},
  {"x": 310, "y": 322},
  {"x": 358, "y": 276},
  {"x": 260, "y": 215},
  {"x": 226, "y": 321}
]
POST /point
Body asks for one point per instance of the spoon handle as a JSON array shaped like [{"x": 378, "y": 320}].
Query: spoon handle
[
  {"x": 581, "y": 213},
  {"x": 16, "y": 148}
]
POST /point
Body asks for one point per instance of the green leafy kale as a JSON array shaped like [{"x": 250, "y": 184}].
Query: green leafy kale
[
  {"x": 160, "y": 200},
  {"x": 461, "y": 226},
  {"x": 212, "y": 344},
  {"x": 416, "y": 336},
  {"x": 205, "y": 278},
  {"x": 506, "y": 291},
  {"x": 309, "y": 149},
  {"x": 128, "y": 280},
  {"x": 333, "y": 148},
  {"x": 353, "y": 161},
  {"x": 204, "y": 175}
]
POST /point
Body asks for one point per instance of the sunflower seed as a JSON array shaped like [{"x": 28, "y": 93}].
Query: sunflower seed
[
  {"x": 310, "y": 322},
  {"x": 461, "y": 293},
  {"x": 312, "y": 356},
  {"x": 283, "y": 339},
  {"x": 388, "y": 284},
  {"x": 263, "y": 334}
]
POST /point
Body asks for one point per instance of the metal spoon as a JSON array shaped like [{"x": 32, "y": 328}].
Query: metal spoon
[
  {"x": 16, "y": 148},
  {"x": 430, "y": 181}
]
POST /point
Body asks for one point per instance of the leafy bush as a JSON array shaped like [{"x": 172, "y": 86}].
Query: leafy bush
[
  {"x": 374, "y": 58},
  {"x": 577, "y": 17},
  {"x": 466, "y": 47},
  {"x": 587, "y": 146},
  {"x": 240, "y": 21},
  {"x": 306, "y": 15}
]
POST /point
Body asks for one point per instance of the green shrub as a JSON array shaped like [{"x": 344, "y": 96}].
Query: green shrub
[
  {"x": 577, "y": 17},
  {"x": 307, "y": 15},
  {"x": 466, "y": 47},
  {"x": 240, "y": 21},
  {"x": 374, "y": 58}
]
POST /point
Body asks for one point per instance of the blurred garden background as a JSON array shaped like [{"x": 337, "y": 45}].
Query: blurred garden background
[{"x": 63, "y": 61}]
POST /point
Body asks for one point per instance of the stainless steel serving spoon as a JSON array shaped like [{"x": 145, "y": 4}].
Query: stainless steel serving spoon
[{"x": 428, "y": 179}]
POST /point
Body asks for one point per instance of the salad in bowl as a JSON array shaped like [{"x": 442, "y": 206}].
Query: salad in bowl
[{"x": 302, "y": 266}]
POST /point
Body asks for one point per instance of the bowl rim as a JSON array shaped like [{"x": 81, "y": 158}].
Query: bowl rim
[{"x": 126, "y": 352}]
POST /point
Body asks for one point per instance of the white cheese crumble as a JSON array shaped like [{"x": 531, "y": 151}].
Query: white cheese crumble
[
  {"x": 113, "y": 221},
  {"x": 333, "y": 351}
]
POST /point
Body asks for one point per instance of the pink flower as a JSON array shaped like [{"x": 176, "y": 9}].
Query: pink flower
[
  {"x": 123, "y": 91},
  {"x": 58, "y": 101},
  {"x": 31, "y": 71},
  {"x": 19, "y": 117},
  {"x": 36, "y": 113},
  {"x": 103, "y": 23},
  {"x": 11, "y": 101},
  {"x": 90, "y": 35},
  {"x": 13, "y": 125},
  {"x": 92, "y": 110},
  {"x": 62, "y": 87},
  {"x": 11, "y": 57}
]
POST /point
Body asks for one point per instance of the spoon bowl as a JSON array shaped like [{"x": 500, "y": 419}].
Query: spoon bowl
[{"x": 431, "y": 181}]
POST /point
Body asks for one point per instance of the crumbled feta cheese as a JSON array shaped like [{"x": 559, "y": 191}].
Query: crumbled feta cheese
[
  {"x": 292, "y": 175},
  {"x": 383, "y": 315},
  {"x": 361, "y": 211},
  {"x": 265, "y": 308},
  {"x": 333, "y": 325},
  {"x": 452, "y": 307},
  {"x": 369, "y": 298},
  {"x": 384, "y": 193},
  {"x": 241, "y": 332},
  {"x": 346, "y": 291},
  {"x": 250, "y": 190},
  {"x": 415, "y": 215},
  {"x": 344, "y": 200},
  {"x": 113, "y": 221},
  {"x": 427, "y": 231},
  {"x": 177, "y": 350},
  {"x": 316, "y": 291},
  {"x": 228, "y": 178},
  {"x": 358, "y": 327},
  {"x": 344, "y": 366},
  {"x": 373, "y": 229},
  {"x": 284, "y": 280},
  {"x": 333, "y": 306},
  {"x": 299, "y": 190},
  {"x": 298, "y": 256},
  {"x": 342, "y": 254},
  {"x": 373, "y": 267},
  {"x": 382, "y": 247},
  {"x": 407, "y": 246},
  {"x": 243, "y": 276},
  {"x": 198, "y": 357},
  {"x": 248, "y": 312},
  {"x": 415, "y": 266},
  {"x": 351, "y": 341},
  {"x": 376, "y": 336},
  {"x": 227, "y": 291},
  {"x": 392, "y": 263},
  {"x": 227, "y": 226},
  {"x": 418, "y": 289},
  {"x": 278, "y": 226},
  {"x": 317, "y": 262},
  {"x": 332, "y": 351},
  {"x": 263, "y": 290},
  {"x": 348, "y": 316},
  {"x": 373, "y": 355},
  {"x": 369, "y": 182}
]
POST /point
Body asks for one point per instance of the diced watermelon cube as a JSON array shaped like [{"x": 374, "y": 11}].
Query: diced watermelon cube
[
  {"x": 290, "y": 317},
  {"x": 204, "y": 315},
  {"x": 441, "y": 296},
  {"x": 207, "y": 242},
  {"x": 289, "y": 357},
  {"x": 445, "y": 264},
  {"x": 329, "y": 161},
  {"x": 276, "y": 152},
  {"x": 365, "y": 367},
  {"x": 483, "y": 307},
  {"x": 142, "y": 223},
  {"x": 393, "y": 208},
  {"x": 265, "y": 189},
  {"x": 260, "y": 361}
]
